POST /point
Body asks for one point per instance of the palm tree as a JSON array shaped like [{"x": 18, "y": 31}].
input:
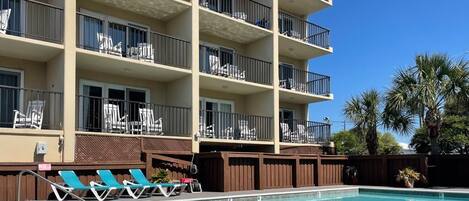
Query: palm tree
[
  {"x": 421, "y": 92},
  {"x": 364, "y": 111}
]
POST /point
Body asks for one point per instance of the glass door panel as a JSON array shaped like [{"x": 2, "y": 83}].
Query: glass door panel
[
  {"x": 92, "y": 108},
  {"x": 117, "y": 33},
  {"x": 136, "y": 100},
  {"x": 9, "y": 98}
]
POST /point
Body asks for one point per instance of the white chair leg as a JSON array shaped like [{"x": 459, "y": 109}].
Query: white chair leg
[{"x": 57, "y": 195}]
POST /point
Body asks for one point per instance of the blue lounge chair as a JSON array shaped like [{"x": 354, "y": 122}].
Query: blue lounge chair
[
  {"x": 140, "y": 178},
  {"x": 134, "y": 190},
  {"x": 73, "y": 183}
]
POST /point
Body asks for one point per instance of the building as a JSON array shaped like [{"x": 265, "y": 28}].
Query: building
[{"x": 104, "y": 80}]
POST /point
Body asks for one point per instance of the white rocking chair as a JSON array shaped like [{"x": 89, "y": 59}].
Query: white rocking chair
[
  {"x": 143, "y": 51},
  {"x": 113, "y": 122},
  {"x": 286, "y": 132},
  {"x": 32, "y": 118},
  {"x": 107, "y": 46},
  {"x": 302, "y": 133},
  {"x": 149, "y": 125},
  {"x": 4, "y": 17},
  {"x": 245, "y": 132},
  {"x": 206, "y": 131}
]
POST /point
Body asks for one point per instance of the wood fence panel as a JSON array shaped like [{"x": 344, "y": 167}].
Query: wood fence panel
[
  {"x": 306, "y": 173},
  {"x": 242, "y": 174},
  {"x": 279, "y": 173},
  {"x": 332, "y": 171}
]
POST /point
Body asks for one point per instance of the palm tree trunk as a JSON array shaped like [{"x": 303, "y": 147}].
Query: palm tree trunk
[
  {"x": 433, "y": 133},
  {"x": 372, "y": 141}
]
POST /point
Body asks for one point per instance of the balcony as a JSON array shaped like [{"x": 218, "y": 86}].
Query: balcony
[
  {"x": 216, "y": 126},
  {"x": 303, "y": 7},
  {"x": 110, "y": 47},
  {"x": 30, "y": 109},
  {"x": 223, "y": 65},
  {"x": 34, "y": 29},
  {"x": 242, "y": 21},
  {"x": 304, "y": 132},
  {"x": 300, "y": 86},
  {"x": 301, "y": 39},
  {"x": 105, "y": 115}
]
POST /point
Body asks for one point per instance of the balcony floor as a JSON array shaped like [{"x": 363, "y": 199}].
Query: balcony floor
[
  {"x": 226, "y": 27},
  {"x": 217, "y": 83},
  {"x": 104, "y": 63},
  {"x": 159, "y": 9},
  {"x": 231, "y": 142},
  {"x": 299, "y": 49},
  {"x": 31, "y": 49},
  {"x": 303, "y": 7},
  {"x": 291, "y": 96}
]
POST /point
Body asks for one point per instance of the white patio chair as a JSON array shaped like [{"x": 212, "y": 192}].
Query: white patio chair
[
  {"x": 245, "y": 132},
  {"x": 214, "y": 64},
  {"x": 107, "y": 46},
  {"x": 149, "y": 125},
  {"x": 286, "y": 132},
  {"x": 235, "y": 72},
  {"x": 113, "y": 122},
  {"x": 297, "y": 86},
  {"x": 4, "y": 17},
  {"x": 206, "y": 131},
  {"x": 143, "y": 51},
  {"x": 302, "y": 133},
  {"x": 32, "y": 118},
  {"x": 228, "y": 133},
  {"x": 240, "y": 15}
]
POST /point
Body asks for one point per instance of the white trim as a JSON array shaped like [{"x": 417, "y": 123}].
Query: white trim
[
  {"x": 21, "y": 72},
  {"x": 218, "y": 101}
]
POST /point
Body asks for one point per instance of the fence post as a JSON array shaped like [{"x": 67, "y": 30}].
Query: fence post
[
  {"x": 319, "y": 174},
  {"x": 41, "y": 186},
  {"x": 384, "y": 170},
  {"x": 260, "y": 172},
  {"x": 296, "y": 172},
  {"x": 148, "y": 164},
  {"x": 226, "y": 172}
]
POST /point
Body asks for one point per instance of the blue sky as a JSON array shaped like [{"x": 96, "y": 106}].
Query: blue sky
[{"x": 372, "y": 39}]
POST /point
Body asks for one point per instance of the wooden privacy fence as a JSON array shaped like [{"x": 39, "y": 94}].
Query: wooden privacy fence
[
  {"x": 35, "y": 189},
  {"x": 229, "y": 171}
]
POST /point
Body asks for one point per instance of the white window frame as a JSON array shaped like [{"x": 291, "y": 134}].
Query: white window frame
[
  {"x": 111, "y": 19},
  {"x": 216, "y": 46},
  {"x": 105, "y": 94}
]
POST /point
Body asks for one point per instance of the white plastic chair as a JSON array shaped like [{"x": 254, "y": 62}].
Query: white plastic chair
[
  {"x": 4, "y": 17},
  {"x": 32, "y": 118},
  {"x": 206, "y": 131},
  {"x": 107, "y": 46},
  {"x": 149, "y": 125},
  {"x": 113, "y": 122},
  {"x": 245, "y": 132},
  {"x": 214, "y": 63},
  {"x": 286, "y": 133},
  {"x": 302, "y": 133},
  {"x": 143, "y": 51}
]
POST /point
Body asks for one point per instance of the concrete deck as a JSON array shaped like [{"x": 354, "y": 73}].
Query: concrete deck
[{"x": 213, "y": 195}]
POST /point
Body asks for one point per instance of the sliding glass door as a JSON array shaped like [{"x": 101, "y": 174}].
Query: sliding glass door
[{"x": 9, "y": 96}]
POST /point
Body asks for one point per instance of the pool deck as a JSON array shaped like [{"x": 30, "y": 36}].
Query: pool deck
[{"x": 212, "y": 195}]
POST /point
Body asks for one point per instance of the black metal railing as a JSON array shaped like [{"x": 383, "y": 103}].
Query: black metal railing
[
  {"x": 234, "y": 126},
  {"x": 228, "y": 64},
  {"x": 304, "y": 81},
  {"x": 97, "y": 114},
  {"x": 31, "y": 19},
  {"x": 132, "y": 42},
  {"x": 298, "y": 28},
  {"x": 30, "y": 108},
  {"x": 247, "y": 10},
  {"x": 304, "y": 132}
]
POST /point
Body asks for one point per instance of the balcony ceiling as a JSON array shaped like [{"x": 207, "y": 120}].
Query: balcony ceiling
[
  {"x": 303, "y": 7},
  {"x": 226, "y": 27},
  {"x": 290, "y": 96},
  {"x": 298, "y": 49},
  {"x": 217, "y": 83},
  {"x": 159, "y": 9}
]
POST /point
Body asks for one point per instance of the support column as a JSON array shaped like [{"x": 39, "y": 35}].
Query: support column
[
  {"x": 69, "y": 66},
  {"x": 275, "y": 64},
  {"x": 195, "y": 75}
]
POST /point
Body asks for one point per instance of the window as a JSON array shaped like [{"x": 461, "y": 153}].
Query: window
[
  {"x": 286, "y": 75},
  {"x": 225, "y": 55},
  {"x": 287, "y": 116},
  {"x": 129, "y": 34},
  {"x": 217, "y": 113},
  {"x": 95, "y": 94},
  {"x": 10, "y": 95}
]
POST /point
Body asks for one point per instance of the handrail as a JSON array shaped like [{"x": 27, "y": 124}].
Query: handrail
[{"x": 61, "y": 188}]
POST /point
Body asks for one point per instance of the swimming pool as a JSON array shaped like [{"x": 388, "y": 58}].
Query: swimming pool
[{"x": 356, "y": 194}]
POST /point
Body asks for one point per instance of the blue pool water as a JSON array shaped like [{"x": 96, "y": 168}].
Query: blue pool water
[{"x": 358, "y": 195}]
